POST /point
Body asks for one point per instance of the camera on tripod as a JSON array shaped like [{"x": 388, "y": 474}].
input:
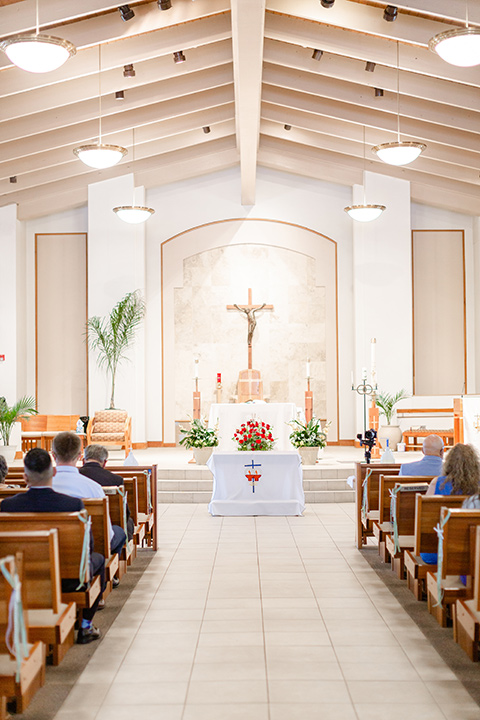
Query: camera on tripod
[{"x": 367, "y": 442}]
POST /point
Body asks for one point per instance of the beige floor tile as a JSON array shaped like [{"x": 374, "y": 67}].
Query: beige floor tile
[
  {"x": 228, "y": 671},
  {"x": 229, "y": 654},
  {"x": 162, "y": 627},
  {"x": 86, "y": 695},
  {"x": 239, "y": 711},
  {"x": 312, "y": 711},
  {"x": 359, "y": 653},
  {"x": 308, "y": 691},
  {"x": 306, "y": 654},
  {"x": 155, "y": 712},
  {"x": 450, "y": 693},
  {"x": 297, "y": 638},
  {"x": 233, "y": 625},
  {"x": 379, "y": 670},
  {"x": 294, "y": 625},
  {"x": 147, "y": 693},
  {"x": 299, "y": 670},
  {"x": 227, "y": 691},
  {"x": 225, "y": 639},
  {"x": 77, "y": 714},
  {"x": 415, "y": 711},
  {"x": 161, "y": 672},
  {"x": 394, "y": 692}
]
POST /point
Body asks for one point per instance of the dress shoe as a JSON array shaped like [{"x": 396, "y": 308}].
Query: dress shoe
[
  {"x": 115, "y": 582},
  {"x": 101, "y": 604},
  {"x": 88, "y": 635}
]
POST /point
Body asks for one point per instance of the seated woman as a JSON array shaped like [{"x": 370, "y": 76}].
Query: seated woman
[
  {"x": 461, "y": 476},
  {"x": 3, "y": 470}
]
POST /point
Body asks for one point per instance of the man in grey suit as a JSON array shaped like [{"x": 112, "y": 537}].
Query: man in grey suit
[{"x": 432, "y": 461}]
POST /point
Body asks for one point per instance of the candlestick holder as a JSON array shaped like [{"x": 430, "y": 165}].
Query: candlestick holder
[{"x": 308, "y": 402}]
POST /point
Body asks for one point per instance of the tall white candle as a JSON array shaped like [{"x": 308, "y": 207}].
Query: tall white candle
[
  {"x": 308, "y": 368},
  {"x": 364, "y": 373},
  {"x": 195, "y": 369}
]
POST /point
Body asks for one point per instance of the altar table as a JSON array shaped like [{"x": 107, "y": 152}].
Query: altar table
[
  {"x": 230, "y": 416},
  {"x": 277, "y": 491}
]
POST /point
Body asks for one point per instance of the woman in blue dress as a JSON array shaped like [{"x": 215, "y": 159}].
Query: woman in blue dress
[{"x": 461, "y": 476}]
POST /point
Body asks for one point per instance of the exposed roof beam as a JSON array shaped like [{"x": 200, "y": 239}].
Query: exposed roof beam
[{"x": 248, "y": 18}]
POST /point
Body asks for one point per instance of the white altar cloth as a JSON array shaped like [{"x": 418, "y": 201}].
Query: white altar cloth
[
  {"x": 278, "y": 491},
  {"x": 230, "y": 416}
]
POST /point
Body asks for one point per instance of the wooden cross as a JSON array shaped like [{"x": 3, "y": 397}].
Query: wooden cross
[{"x": 250, "y": 309}]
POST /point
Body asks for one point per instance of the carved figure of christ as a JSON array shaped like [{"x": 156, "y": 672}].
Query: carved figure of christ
[{"x": 250, "y": 309}]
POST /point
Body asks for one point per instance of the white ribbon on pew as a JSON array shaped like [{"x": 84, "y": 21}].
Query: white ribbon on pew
[
  {"x": 393, "y": 517},
  {"x": 440, "y": 534},
  {"x": 365, "y": 507},
  {"x": 84, "y": 570},
  {"x": 16, "y": 634},
  {"x": 148, "y": 473}
]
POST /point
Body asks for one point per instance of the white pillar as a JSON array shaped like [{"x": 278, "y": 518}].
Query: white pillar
[
  {"x": 116, "y": 266},
  {"x": 383, "y": 286},
  {"x": 8, "y": 316}
]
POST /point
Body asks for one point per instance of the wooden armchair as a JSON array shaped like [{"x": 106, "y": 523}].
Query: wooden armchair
[{"x": 111, "y": 427}]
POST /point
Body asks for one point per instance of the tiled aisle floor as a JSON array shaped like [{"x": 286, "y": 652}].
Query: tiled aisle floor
[{"x": 264, "y": 618}]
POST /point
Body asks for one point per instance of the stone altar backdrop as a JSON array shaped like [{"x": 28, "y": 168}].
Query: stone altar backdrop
[{"x": 282, "y": 341}]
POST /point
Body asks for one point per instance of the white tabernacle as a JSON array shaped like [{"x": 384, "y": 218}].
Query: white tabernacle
[
  {"x": 230, "y": 416},
  {"x": 278, "y": 489}
]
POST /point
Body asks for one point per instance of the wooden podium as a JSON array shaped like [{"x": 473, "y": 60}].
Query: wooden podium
[{"x": 250, "y": 385}]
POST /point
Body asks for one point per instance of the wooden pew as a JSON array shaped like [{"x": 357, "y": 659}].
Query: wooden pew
[
  {"x": 71, "y": 529},
  {"x": 366, "y": 497},
  {"x": 147, "y": 496},
  {"x": 383, "y": 526},
  {"x": 49, "y": 620},
  {"x": 116, "y": 499},
  {"x": 427, "y": 517},
  {"x": 403, "y": 521},
  {"x": 23, "y": 685},
  {"x": 466, "y": 620},
  {"x": 98, "y": 510},
  {"x": 459, "y": 528}
]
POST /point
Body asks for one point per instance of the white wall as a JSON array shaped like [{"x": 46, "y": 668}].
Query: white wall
[
  {"x": 8, "y": 316},
  {"x": 280, "y": 196}
]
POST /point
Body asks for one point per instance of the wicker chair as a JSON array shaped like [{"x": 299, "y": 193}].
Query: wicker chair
[{"x": 111, "y": 427}]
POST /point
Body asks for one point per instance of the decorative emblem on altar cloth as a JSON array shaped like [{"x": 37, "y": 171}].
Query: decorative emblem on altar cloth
[
  {"x": 476, "y": 422},
  {"x": 253, "y": 475}
]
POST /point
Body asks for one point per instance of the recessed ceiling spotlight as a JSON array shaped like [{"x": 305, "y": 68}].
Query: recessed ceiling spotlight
[
  {"x": 119, "y": 95},
  {"x": 317, "y": 54},
  {"x": 287, "y": 127},
  {"x": 206, "y": 129},
  {"x": 370, "y": 66},
  {"x": 13, "y": 179},
  {"x": 126, "y": 12},
  {"x": 164, "y": 4},
  {"x": 390, "y": 13},
  {"x": 179, "y": 57},
  {"x": 128, "y": 71},
  {"x": 327, "y": 3},
  {"x": 378, "y": 92}
]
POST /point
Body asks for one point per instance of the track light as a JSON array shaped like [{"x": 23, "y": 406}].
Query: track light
[
  {"x": 13, "y": 179},
  {"x": 126, "y": 12},
  {"x": 317, "y": 54},
  {"x": 206, "y": 129},
  {"x": 378, "y": 92},
  {"x": 128, "y": 71},
  {"x": 287, "y": 127},
  {"x": 119, "y": 95},
  {"x": 390, "y": 13},
  {"x": 370, "y": 66},
  {"x": 179, "y": 57},
  {"x": 164, "y": 4},
  {"x": 327, "y": 3}
]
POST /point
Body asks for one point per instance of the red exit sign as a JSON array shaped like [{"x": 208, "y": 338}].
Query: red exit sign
[{"x": 2, "y": 358}]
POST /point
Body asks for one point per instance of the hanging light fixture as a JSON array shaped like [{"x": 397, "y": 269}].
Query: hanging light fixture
[
  {"x": 364, "y": 213},
  {"x": 100, "y": 155},
  {"x": 133, "y": 214},
  {"x": 460, "y": 46},
  {"x": 37, "y": 53},
  {"x": 400, "y": 152}
]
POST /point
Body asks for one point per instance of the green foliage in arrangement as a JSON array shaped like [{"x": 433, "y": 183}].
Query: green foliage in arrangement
[
  {"x": 386, "y": 403},
  {"x": 308, "y": 434},
  {"x": 112, "y": 335},
  {"x": 9, "y": 415},
  {"x": 199, "y": 435}
]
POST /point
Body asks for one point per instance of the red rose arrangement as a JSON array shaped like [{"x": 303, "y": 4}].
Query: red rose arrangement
[{"x": 254, "y": 435}]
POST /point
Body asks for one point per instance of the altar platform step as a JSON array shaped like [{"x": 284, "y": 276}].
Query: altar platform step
[{"x": 194, "y": 485}]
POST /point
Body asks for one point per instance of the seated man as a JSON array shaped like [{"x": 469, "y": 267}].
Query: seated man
[
  {"x": 67, "y": 449},
  {"x": 94, "y": 460},
  {"x": 432, "y": 461},
  {"x": 40, "y": 497}
]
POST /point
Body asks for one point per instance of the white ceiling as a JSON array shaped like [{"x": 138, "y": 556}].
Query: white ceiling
[{"x": 248, "y": 72}]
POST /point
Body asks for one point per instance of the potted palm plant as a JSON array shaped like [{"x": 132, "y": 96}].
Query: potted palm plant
[
  {"x": 111, "y": 336},
  {"x": 308, "y": 438},
  {"x": 386, "y": 404},
  {"x": 9, "y": 415},
  {"x": 201, "y": 439}
]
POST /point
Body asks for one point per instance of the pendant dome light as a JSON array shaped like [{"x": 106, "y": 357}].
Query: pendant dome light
[
  {"x": 37, "y": 53},
  {"x": 133, "y": 214},
  {"x": 365, "y": 212},
  {"x": 400, "y": 152},
  {"x": 460, "y": 46},
  {"x": 100, "y": 155}
]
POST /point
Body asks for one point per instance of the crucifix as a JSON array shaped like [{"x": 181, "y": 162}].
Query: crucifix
[{"x": 250, "y": 309}]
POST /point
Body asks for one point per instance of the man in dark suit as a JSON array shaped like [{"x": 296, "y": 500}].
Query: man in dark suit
[
  {"x": 94, "y": 460},
  {"x": 40, "y": 497}
]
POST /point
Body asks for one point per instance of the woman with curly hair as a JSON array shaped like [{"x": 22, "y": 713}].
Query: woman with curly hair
[{"x": 461, "y": 476}]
